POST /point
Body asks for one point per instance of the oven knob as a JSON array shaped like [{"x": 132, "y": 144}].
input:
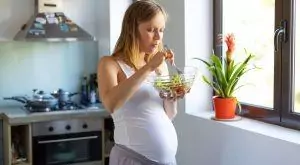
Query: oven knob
[
  {"x": 50, "y": 129},
  {"x": 84, "y": 126},
  {"x": 68, "y": 127}
]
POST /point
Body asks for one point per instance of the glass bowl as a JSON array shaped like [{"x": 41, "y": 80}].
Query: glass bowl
[{"x": 174, "y": 84}]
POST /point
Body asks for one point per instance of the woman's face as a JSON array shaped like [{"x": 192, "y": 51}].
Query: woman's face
[{"x": 151, "y": 34}]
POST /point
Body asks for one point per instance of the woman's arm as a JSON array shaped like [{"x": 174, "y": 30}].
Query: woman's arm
[
  {"x": 170, "y": 107},
  {"x": 170, "y": 104},
  {"x": 113, "y": 94}
]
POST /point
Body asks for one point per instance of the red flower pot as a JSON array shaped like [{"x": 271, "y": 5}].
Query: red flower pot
[{"x": 224, "y": 107}]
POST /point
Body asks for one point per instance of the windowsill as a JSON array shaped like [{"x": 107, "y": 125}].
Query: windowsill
[{"x": 258, "y": 127}]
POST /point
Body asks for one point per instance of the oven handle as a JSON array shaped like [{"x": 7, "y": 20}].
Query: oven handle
[{"x": 67, "y": 140}]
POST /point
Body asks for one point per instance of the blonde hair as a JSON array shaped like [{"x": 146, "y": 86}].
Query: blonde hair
[{"x": 127, "y": 44}]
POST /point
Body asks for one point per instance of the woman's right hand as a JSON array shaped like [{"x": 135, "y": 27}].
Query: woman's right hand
[{"x": 156, "y": 60}]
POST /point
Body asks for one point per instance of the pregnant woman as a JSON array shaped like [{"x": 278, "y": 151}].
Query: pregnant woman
[{"x": 144, "y": 133}]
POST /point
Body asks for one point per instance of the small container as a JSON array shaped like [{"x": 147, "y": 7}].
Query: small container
[
  {"x": 84, "y": 91},
  {"x": 92, "y": 97}
]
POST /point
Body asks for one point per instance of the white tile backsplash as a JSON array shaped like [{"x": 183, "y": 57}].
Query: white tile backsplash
[{"x": 44, "y": 65}]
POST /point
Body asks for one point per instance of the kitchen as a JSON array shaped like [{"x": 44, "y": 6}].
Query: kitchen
[
  {"x": 52, "y": 68},
  {"x": 199, "y": 137}
]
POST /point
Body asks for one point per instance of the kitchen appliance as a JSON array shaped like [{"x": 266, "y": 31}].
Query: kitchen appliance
[
  {"x": 44, "y": 102},
  {"x": 63, "y": 96},
  {"x": 39, "y": 102},
  {"x": 65, "y": 106},
  {"x": 49, "y": 23},
  {"x": 76, "y": 141}
]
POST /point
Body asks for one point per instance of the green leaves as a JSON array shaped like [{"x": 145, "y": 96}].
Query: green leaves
[{"x": 225, "y": 76}]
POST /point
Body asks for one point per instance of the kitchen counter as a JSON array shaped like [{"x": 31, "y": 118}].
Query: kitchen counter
[{"x": 17, "y": 115}]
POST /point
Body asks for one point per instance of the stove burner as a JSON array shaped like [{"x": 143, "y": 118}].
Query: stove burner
[
  {"x": 35, "y": 109},
  {"x": 62, "y": 106},
  {"x": 68, "y": 106}
]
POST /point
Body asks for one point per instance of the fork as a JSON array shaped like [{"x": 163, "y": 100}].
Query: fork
[{"x": 166, "y": 49}]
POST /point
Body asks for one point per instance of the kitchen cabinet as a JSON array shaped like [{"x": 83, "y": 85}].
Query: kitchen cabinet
[{"x": 16, "y": 142}]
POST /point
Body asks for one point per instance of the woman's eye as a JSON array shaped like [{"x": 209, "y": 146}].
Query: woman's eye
[
  {"x": 155, "y": 30},
  {"x": 151, "y": 30}
]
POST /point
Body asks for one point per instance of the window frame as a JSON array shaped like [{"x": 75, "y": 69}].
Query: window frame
[
  {"x": 282, "y": 113},
  {"x": 289, "y": 118}
]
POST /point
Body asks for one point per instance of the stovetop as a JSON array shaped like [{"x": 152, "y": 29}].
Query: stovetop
[{"x": 59, "y": 107}]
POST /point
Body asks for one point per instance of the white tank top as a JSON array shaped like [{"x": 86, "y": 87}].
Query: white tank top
[{"x": 142, "y": 125}]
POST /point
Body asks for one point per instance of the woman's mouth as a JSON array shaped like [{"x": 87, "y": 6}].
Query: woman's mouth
[{"x": 154, "y": 47}]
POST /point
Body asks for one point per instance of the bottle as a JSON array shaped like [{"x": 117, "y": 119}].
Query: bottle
[
  {"x": 93, "y": 90},
  {"x": 95, "y": 78},
  {"x": 92, "y": 97},
  {"x": 84, "y": 91}
]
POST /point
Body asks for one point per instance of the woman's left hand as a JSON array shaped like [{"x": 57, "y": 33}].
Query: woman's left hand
[
  {"x": 173, "y": 96},
  {"x": 178, "y": 93},
  {"x": 169, "y": 56}
]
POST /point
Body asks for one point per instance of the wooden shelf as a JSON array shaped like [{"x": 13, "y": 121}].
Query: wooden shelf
[
  {"x": 23, "y": 163},
  {"x": 23, "y": 133}
]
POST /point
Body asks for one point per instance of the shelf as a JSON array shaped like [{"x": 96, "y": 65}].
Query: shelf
[
  {"x": 23, "y": 163},
  {"x": 21, "y": 140}
]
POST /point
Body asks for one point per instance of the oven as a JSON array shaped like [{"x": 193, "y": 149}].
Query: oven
[{"x": 67, "y": 142}]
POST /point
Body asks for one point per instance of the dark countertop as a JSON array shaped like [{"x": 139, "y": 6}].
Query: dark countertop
[{"x": 17, "y": 115}]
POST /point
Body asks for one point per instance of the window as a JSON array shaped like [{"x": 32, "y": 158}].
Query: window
[{"x": 269, "y": 29}]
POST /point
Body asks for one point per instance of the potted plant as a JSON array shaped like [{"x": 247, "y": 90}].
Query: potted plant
[{"x": 226, "y": 73}]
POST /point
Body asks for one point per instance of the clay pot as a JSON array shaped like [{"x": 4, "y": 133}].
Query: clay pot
[{"x": 224, "y": 107}]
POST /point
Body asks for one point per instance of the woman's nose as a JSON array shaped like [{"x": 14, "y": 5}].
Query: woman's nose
[{"x": 157, "y": 35}]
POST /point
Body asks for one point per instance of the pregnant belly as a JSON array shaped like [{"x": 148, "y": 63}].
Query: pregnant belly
[{"x": 154, "y": 138}]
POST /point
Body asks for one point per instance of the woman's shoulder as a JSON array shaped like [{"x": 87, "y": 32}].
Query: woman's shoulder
[
  {"x": 110, "y": 59},
  {"x": 109, "y": 62},
  {"x": 107, "y": 58}
]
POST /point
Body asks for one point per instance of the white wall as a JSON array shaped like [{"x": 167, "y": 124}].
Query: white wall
[
  {"x": 109, "y": 21},
  {"x": 202, "y": 141},
  {"x": 13, "y": 14},
  {"x": 103, "y": 27},
  {"x": 117, "y": 10},
  {"x": 205, "y": 142}
]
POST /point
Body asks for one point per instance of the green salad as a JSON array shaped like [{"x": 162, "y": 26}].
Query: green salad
[{"x": 175, "y": 83}]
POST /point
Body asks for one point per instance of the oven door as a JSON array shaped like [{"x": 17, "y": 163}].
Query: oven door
[{"x": 75, "y": 148}]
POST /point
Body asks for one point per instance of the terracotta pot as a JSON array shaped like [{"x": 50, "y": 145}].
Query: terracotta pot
[{"x": 224, "y": 107}]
